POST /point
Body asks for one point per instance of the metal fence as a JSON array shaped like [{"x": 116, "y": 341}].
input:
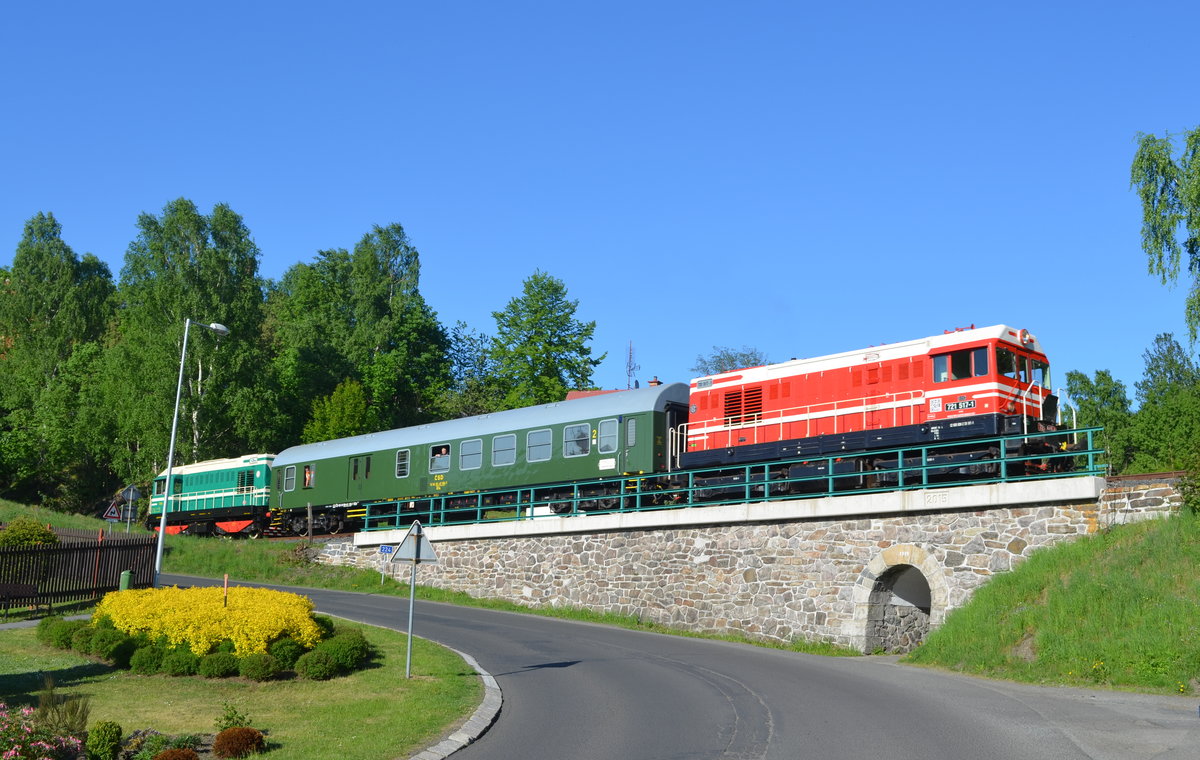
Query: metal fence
[{"x": 78, "y": 569}]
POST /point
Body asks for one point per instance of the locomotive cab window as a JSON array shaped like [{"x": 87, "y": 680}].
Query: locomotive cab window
[
  {"x": 538, "y": 445},
  {"x": 577, "y": 440},
  {"x": 1041, "y": 373},
  {"x": 960, "y": 365},
  {"x": 1012, "y": 365},
  {"x": 402, "y": 463},
  {"x": 504, "y": 450},
  {"x": 439, "y": 458}
]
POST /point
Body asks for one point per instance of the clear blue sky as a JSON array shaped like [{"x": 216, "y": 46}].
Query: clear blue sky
[{"x": 799, "y": 177}]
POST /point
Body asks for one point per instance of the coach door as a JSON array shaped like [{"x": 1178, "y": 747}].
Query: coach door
[{"x": 360, "y": 471}]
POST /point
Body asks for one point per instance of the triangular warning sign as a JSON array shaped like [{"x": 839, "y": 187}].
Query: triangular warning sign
[{"x": 112, "y": 513}]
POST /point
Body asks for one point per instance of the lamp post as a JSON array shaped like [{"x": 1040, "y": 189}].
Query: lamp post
[{"x": 221, "y": 330}]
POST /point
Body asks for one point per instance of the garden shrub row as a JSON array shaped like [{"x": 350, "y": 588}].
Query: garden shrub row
[{"x": 316, "y": 652}]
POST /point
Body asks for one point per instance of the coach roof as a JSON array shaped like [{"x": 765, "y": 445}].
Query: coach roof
[{"x": 654, "y": 399}]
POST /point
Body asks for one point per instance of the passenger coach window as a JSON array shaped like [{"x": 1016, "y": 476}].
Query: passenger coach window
[
  {"x": 310, "y": 473},
  {"x": 504, "y": 450},
  {"x": 960, "y": 365},
  {"x": 289, "y": 478},
  {"x": 470, "y": 454},
  {"x": 402, "y": 463},
  {"x": 606, "y": 443},
  {"x": 538, "y": 445},
  {"x": 577, "y": 440},
  {"x": 439, "y": 458},
  {"x": 631, "y": 432}
]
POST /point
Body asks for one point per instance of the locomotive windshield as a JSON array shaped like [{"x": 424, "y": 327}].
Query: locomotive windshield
[{"x": 1023, "y": 369}]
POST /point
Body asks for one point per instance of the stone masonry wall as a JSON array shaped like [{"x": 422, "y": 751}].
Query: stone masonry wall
[{"x": 802, "y": 578}]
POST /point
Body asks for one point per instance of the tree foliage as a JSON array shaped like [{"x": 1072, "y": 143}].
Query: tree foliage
[
  {"x": 724, "y": 359},
  {"x": 1168, "y": 186},
  {"x": 540, "y": 349}
]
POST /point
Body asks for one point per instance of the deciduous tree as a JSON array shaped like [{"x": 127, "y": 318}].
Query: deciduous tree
[{"x": 540, "y": 349}]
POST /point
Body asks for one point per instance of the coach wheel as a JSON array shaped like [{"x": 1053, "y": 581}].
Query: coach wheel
[{"x": 336, "y": 525}]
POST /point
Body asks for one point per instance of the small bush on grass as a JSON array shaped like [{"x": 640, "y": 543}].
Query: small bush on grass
[
  {"x": 287, "y": 651},
  {"x": 113, "y": 646},
  {"x": 349, "y": 649},
  {"x": 218, "y": 665},
  {"x": 238, "y": 741},
  {"x": 61, "y": 632},
  {"x": 180, "y": 662},
  {"x": 258, "y": 667},
  {"x": 146, "y": 661},
  {"x": 81, "y": 640},
  {"x": 231, "y": 717},
  {"x": 317, "y": 665},
  {"x": 43, "y": 629},
  {"x": 104, "y": 741}
]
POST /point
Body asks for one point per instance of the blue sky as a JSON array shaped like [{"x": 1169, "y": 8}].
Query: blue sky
[{"x": 798, "y": 177}]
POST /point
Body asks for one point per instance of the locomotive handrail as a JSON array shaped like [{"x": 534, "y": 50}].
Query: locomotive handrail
[
  {"x": 901, "y": 468},
  {"x": 777, "y": 418}
]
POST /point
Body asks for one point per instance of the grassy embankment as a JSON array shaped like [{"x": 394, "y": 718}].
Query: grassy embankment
[{"x": 1120, "y": 608}]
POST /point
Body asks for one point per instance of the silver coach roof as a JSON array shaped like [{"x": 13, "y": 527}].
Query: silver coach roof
[{"x": 653, "y": 399}]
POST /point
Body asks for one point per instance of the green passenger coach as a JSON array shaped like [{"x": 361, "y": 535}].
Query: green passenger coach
[{"x": 542, "y": 448}]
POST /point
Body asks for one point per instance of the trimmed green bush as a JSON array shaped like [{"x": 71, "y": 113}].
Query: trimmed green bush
[
  {"x": 218, "y": 665},
  {"x": 104, "y": 741},
  {"x": 317, "y": 665},
  {"x": 81, "y": 640},
  {"x": 23, "y": 531},
  {"x": 287, "y": 651},
  {"x": 114, "y": 646},
  {"x": 146, "y": 661},
  {"x": 349, "y": 649},
  {"x": 326, "y": 624},
  {"x": 63, "y": 631},
  {"x": 180, "y": 662},
  {"x": 43, "y": 629},
  {"x": 258, "y": 667}
]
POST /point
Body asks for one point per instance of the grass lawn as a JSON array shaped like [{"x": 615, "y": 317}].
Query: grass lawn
[{"x": 374, "y": 713}]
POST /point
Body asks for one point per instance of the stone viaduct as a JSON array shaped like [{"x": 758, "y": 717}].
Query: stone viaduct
[{"x": 869, "y": 571}]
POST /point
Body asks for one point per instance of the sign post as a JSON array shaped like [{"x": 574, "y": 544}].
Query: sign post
[
  {"x": 386, "y": 552},
  {"x": 415, "y": 548}
]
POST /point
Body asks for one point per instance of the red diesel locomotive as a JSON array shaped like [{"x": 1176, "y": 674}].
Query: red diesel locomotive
[{"x": 965, "y": 384}]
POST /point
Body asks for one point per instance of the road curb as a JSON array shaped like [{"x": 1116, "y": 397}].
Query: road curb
[{"x": 479, "y": 722}]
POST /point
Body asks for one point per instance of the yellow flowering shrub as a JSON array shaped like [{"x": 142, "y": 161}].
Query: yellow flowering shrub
[{"x": 198, "y": 617}]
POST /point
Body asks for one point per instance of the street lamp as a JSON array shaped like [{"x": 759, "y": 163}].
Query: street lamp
[{"x": 221, "y": 330}]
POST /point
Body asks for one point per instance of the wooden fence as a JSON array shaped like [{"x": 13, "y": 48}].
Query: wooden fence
[{"x": 78, "y": 569}]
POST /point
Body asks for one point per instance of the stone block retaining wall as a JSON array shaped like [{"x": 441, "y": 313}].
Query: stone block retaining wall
[{"x": 815, "y": 579}]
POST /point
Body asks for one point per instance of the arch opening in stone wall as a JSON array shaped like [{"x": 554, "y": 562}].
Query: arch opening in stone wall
[{"x": 898, "y": 611}]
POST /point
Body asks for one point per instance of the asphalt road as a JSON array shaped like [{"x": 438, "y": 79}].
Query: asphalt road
[{"x": 590, "y": 692}]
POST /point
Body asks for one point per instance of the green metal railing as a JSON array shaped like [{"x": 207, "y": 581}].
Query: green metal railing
[{"x": 1003, "y": 459}]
